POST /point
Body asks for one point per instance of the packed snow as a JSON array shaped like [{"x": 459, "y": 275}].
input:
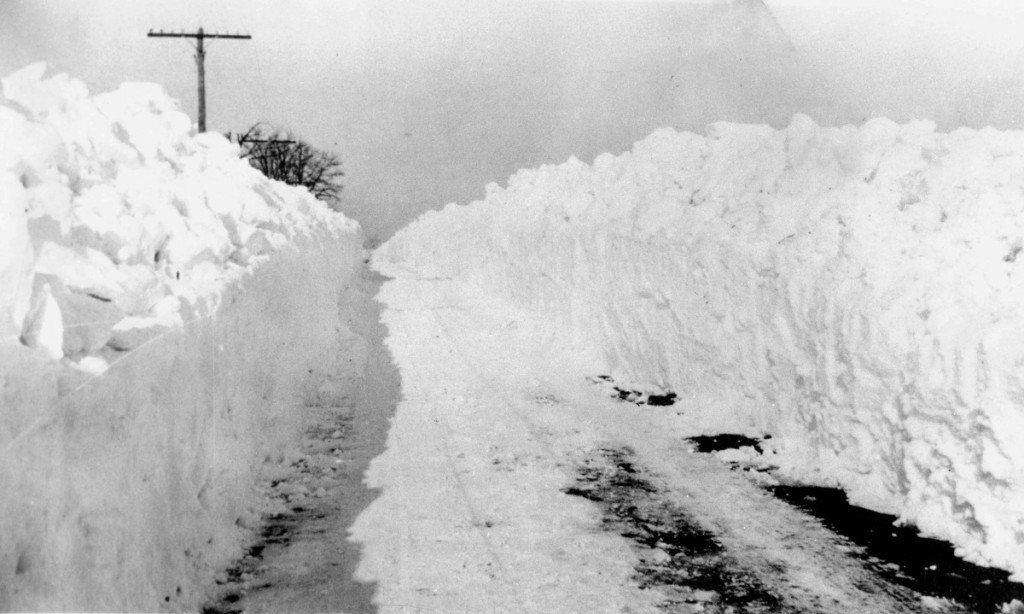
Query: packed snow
[
  {"x": 475, "y": 512},
  {"x": 166, "y": 311},
  {"x": 853, "y": 292}
]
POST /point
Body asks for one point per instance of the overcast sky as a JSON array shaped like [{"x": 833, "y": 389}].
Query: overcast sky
[{"x": 426, "y": 101}]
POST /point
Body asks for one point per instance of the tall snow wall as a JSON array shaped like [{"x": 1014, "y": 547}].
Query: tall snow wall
[
  {"x": 165, "y": 314},
  {"x": 855, "y": 292}
]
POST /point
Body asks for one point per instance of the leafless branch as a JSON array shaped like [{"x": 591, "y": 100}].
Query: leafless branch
[{"x": 282, "y": 157}]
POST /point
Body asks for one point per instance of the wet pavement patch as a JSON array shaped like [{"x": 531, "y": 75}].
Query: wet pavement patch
[
  {"x": 724, "y": 441},
  {"x": 295, "y": 494},
  {"x": 275, "y": 531},
  {"x": 900, "y": 555},
  {"x": 678, "y": 557},
  {"x": 896, "y": 553}
]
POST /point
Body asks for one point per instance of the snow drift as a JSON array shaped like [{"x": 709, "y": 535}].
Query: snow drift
[
  {"x": 165, "y": 311},
  {"x": 855, "y": 292}
]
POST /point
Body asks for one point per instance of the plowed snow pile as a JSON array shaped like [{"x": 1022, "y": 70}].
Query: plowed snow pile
[
  {"x": 853, "y": 292},
  {"x": 165, "y": 312},
  {"x": 118, "y": 221}
]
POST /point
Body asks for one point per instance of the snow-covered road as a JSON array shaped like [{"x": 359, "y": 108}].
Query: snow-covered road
[{"x": 496, "y": 426}]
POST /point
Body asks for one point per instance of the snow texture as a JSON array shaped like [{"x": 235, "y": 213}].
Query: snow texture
[
  {"x": 165, "y": 312},
  {"x": 854, "y": 291},
  {"x": 121, "y": 220}
]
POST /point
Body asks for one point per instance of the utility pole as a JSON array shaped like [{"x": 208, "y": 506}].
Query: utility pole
[{"x": 199, "y": 35}]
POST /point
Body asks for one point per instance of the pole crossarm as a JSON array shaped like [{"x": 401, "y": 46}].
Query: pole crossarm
[{"x": 200, "y": 36}]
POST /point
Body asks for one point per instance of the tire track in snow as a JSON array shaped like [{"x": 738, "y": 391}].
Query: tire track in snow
[
  {"x": 496, "y": 483},
  {"x": 683, "y": 559},
  {"x": 789, "y": 551},
  {"x": 535, "y": 446}
]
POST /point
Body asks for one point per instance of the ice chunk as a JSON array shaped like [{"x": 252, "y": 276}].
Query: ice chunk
[
  {"x": 16, "y": 257},
  {"x": 131, "y": 333},
  {"x": 88, "y": 321},
  {"x": 86, "y": 271},
  {"x": 37, "y": 95},
  {"x": 44, "y": 324}
]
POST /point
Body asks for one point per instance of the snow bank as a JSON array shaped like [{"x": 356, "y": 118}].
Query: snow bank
[
  {"x": 165, "y": 311},
  {"x": 119, "y": 219},
  {"x": 855, "y": 292}
]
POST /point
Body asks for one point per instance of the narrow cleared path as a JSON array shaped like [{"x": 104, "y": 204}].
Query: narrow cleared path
[{"x": 304, "y": 560}]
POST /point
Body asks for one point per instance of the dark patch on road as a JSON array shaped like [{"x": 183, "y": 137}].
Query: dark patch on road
[
  {"x": 664, "y": 399},
  {"x": 724, "y": 441},
  {"x": 679, "y": 558},
  {"x": 899, "y": 553},
  {"x": 276, "y": 530},
  {"x": 304, "y": 509}
]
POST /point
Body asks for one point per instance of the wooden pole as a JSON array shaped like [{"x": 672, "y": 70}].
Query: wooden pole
[
  {"x": 201, "y": 70},
  {"x": 200, "y": 36}
]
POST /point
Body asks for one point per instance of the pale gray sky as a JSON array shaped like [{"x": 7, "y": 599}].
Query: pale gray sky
[{"x": 427, "y": 101}]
